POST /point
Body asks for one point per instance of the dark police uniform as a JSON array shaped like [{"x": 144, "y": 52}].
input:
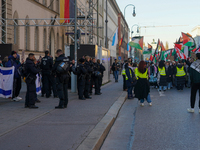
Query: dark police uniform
[
  {"x": 46, "y": 66},
  {"x": 96, "y": 78},
  {"x": 100, "y": 80},
  {"x": 62, "y": 81},
  {"x": 31, "y": 72},
  {"x": 87, "y": 79},
  {"x": 81, "y": 73}
]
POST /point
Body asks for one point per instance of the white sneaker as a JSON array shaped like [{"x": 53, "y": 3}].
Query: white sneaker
[
  {"x": 19, "y": 98},
  {"x": 190, "y": 110},
  {"x": 142, "y": 104},
  {"x": 150, "y": 104},
  {"x": 15, "y": 99}
]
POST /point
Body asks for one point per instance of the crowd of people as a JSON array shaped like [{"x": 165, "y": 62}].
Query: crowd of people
[
  {"x": 55, "y": 76},
  {"x": 163, "y": 75}
]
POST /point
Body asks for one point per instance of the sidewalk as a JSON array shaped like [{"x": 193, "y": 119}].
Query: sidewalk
[{"x": 46, "y": 128}]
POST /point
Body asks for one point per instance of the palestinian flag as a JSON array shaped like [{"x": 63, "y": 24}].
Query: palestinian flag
[
  {"x": 180, "y": 53},
  {"x": 165, "y": 54},
  {"x": 137, "y": 42},
  {"x": 162, "y": 47},
  {"x": 188, "y": 41},
  {"x": 151, "y": 58},
  {"x": 149, "y": 50}
]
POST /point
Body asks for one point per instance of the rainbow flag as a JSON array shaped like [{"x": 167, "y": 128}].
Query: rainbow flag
[{"x": 67, "y": 10}]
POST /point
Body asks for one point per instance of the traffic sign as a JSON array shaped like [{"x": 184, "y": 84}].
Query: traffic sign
[{"x": 119, "y": 58}]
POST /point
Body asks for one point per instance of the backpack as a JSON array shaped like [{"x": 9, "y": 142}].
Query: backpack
[{"x": 22, "y": 70}]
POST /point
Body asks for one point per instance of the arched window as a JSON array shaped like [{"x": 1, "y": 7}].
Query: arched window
[
  {"x": 36, "y": 39},
  {"x": 44, "y": 39},
  {"x": 16, "y": 29},
  {"x": 57, "y": 40},
  {"x": 27, "y": 35}
]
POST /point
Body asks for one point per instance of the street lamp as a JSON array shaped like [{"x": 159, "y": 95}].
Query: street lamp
[{"x": 134, "y": 14}]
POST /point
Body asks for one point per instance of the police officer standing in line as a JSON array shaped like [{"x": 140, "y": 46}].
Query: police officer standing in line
[
  {"x": 100, "y": 78},
  {"x": 61, "y": 68},
  {"x": 87, "y": 77},
  {"x": 91, "y": 81},
  {"x": 96, "y": 75},
  {"x": 46, "y": 66},
  {"x": 81, "y": 73},
  {"x": 30, "y": 71}
]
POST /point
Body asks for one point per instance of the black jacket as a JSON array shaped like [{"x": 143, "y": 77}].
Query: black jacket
[
  {"x": 89, "y": 68},
  {"x": 31, "y": 69},
  {"x": 46, "y": 63},
  {"x": 58, "y": 60}
]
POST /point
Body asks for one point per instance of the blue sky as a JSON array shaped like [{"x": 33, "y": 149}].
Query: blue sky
[{"x": 162, "y": 13}]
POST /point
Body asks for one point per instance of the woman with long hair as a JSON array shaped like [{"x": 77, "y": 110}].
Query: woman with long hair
[
  {"x": 163, "y": 77},
  {"x": 142, "y": 87}
]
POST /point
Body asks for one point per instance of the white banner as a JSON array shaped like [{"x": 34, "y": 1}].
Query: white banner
[{"x": 6, "y": 81}]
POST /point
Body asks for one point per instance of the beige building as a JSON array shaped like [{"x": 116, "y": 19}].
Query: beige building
[{"x": 33, "y": 38}]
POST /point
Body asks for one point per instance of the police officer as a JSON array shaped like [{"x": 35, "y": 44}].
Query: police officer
[
  {"x": 100, "y": 78},
  {"x": 96, "y": 75},
  {"x": 46, "y": 66},
  {"x": 61, "y": 68},
  {"x": 91, "y": 81},
  {"x": 87, "y": 77},
  {"x": 81, "y": 73},
  {"x": 31, "y": 72}
]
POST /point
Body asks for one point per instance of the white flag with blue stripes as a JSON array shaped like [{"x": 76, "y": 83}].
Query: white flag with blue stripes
[
  {"x": 115, "y": 38},
  {"x": 38, "y": 84},
  {"x": 6, "y": 81}
]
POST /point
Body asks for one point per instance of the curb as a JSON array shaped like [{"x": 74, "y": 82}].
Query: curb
[{"x": 96, "y": 137}]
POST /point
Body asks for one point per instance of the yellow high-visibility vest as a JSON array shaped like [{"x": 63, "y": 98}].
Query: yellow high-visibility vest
[
  {"x": 162, "y": 71},
  {"x": 130, "y": 74},
  {"x": 141, "y": 75},
  {"x": 123, "y": 72},
  {"x": 180, "y": 72}
]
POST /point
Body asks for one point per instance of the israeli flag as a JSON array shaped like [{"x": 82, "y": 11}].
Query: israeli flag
[
  {"x": 38, "y": 84},
  {"x": 6, "y": 81},
  {"x": 115, "y": 38}
]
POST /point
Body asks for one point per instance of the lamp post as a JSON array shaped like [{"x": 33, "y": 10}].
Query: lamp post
[
  {"x": 132, "y": 36},
  {"x": 134, "y": 14}
]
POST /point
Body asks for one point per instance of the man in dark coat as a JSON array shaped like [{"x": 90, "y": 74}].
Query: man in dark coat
[
  {"x": 102, "y": 69},
  {"x": 195, "y": 81},
  {"x": 31, "y": 72},
  {"x": 46, "y": 66},
  {"x": 81, "y": 73},
  {"x": 115, "y": 69},
  {"x": 169, "y": 74},
  {"x": 96, "y": 76},
  {"x": 62, "y": 78},
  {"x": 13, "y": 61},
  {"x": 87, "y": 77}
]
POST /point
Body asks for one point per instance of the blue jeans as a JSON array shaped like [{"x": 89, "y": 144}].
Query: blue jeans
[
  {"x": 164, "y": 88},
  {"x": 130, "y": 91},
  {"x": 148, "y": 99},
  {"x": 116, "y": 75},
  {"x": 169, "y": 84}
]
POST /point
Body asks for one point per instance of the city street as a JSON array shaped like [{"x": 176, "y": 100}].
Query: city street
[
  {"x": 164, "y": 126},
  {"x": 49, "y": 129}
]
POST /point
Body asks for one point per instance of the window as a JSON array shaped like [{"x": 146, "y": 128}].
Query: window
[
  {"x": 57, "y": 6},
  {"x": 51, "y": 4},
  {"x": 36, "y": 39},
  {"x": 27, "y": 37},
  {"x": 45, "y": 39},
  {"x": 44, "y": 2}
]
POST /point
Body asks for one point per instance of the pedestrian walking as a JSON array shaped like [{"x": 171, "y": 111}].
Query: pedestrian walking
[
  {"x": 130, "y": 79},
  {"x": 195, "y": 82},
  {"x": 31, "y": 72},
  {"x": 163, "y": 77},
  {"x": 169, "y": 74},
  {"x": 180, "y": 73},
  {"x": 61, "y": 69},
  {"x": 142, "y": 87},
  {"x": 115, "y": 69}
]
